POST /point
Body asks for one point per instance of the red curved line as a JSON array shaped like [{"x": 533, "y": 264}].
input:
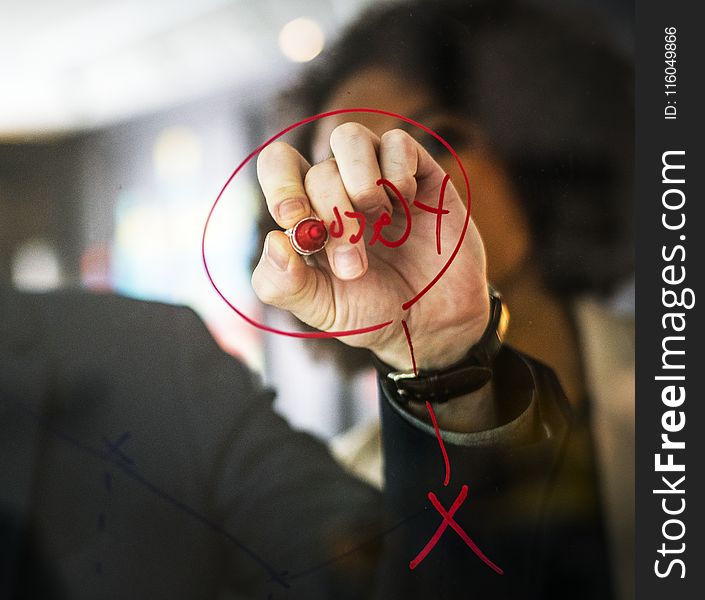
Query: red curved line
[
  {"x": 411, "y": 347},
  {"x": 441, "y": 197},
  {"x": 250, "y": 320},
  {"x": 407, "y": 304},
  {"x": 407, "y": 212},
  {"x": 440, "y": 442}
]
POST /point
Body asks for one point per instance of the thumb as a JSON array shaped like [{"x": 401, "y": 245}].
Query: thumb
[{"x": 284, "y": 280}]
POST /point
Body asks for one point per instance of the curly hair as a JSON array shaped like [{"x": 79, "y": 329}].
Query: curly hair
[{"x": 553, "y": 94}]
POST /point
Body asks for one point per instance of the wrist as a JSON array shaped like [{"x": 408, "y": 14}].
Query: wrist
[
  {"x": 470, "y": 413},
  {"x": 463, "y": 376},
  {"x": 437, "y": 346}
]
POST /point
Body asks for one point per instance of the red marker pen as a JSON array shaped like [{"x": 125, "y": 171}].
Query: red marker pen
[{"x": 308, "y": 236}]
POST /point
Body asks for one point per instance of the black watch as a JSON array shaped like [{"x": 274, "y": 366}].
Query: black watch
[{"x": 467, "y": 375}]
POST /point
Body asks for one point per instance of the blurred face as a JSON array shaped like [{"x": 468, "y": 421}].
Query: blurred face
[{"x": 495, "y": 207}]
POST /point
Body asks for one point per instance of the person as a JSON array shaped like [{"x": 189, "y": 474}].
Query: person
[
  {"x": 514, "y": 89},
  {"x": 140, "y": 461}
]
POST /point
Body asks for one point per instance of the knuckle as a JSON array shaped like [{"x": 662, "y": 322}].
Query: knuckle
[
  {"x": 325, "y": 322},
  {"x": 324, "y": 319},
  {"x": 367, "y": 196},
  {"x": 263, "y": 291},
  {"x": 397, "y": 136},
  {"x": 273, "y": 154},
  {"x": 286, "y": 191},
  {"x": 406, "y": 185},
  {"x": 398, "y": 147},
  {"x": 349, "y": 132},
  {"x": 284, "y": 293},
  {"x": 322, "y": 171}
]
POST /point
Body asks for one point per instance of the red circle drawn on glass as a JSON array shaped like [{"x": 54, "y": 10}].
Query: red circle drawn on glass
[{"x": 407, "y": 304}]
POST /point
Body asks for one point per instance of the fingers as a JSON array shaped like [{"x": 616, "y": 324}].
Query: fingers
[
  {"x": 283, "y": 279},
  {"x": 344, "y": 191},
  {"x": 398, "y": 159},
  {"x": 345, "y": 249},
  {"x": 363, "y": 159},
  {"x": 355, "y": 150},
  {"x": 294, "y": 191},
  {"x": 281, "y": 170},
  {"x": 430, "y": 175}
]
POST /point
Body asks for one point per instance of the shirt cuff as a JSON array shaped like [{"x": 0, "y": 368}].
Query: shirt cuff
[{"x": 514, "y": 391}]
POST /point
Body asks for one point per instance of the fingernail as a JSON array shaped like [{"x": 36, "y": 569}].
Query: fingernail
[
  {"x": 277, "y": 256},
  {"x": 348, "y": 262},
  {"x": 290, "y": 210}
]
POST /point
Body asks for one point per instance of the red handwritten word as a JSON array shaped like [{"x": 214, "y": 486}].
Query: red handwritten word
[
  {"x": 336, "y": 228},
  {"x": 230, "y": 302}
]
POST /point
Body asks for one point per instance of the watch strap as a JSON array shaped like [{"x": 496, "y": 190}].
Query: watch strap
[{"x": 467, "y": 375}]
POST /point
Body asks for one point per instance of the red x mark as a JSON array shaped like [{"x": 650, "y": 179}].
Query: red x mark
[
  {"x": 448, "y": 520},
  {"x": 447, "y": 515}
]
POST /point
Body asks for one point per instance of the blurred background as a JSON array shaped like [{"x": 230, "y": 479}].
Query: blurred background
[{"x": 119, "y": 123}]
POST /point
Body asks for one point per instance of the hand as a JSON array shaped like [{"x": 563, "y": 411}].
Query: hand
[{"x": 351, "y": 286}]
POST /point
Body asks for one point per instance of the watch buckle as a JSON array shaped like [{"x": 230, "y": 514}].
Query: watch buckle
[{"x": 399, "y": 376}]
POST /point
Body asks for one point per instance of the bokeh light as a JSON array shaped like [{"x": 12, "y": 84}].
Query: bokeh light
[{"x": 301, "y": 40}]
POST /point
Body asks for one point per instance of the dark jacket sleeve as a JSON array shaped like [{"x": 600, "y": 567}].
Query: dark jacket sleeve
[
  {"x": 144, "y": 462},
  {"x": 531, "y": 508},
  {"x": 147, "y": 463}
]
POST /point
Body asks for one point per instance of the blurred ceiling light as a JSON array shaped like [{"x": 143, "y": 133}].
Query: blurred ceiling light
[
  {"x": 301, "y": 40},
  {"x": 177, "y": 154},
  {"x": 35, "y": 267}
]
